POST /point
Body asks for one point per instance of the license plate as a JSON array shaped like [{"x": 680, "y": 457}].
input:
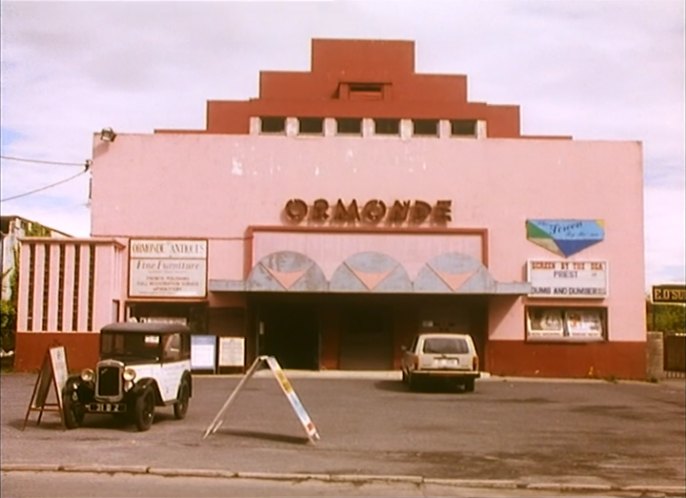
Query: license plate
[
  {"x": 107, "y": 407},
  {"x": 443, "y": 362}
]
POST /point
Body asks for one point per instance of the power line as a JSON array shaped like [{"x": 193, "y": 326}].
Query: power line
[
  {"x": 45, "y": 187},
  {"x": 39, "y": 161}
]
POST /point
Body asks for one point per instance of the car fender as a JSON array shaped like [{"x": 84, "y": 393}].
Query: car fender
[
  {"x": 188, "y": 377},
  {"x": 143, "y": 384},
  {"x": 73, "y": 382}
]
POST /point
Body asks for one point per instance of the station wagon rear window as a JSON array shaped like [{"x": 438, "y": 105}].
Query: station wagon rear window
[{"x": 445, "y": 345}]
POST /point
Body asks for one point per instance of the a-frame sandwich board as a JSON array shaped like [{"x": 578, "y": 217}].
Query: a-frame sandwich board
[
  {"x": 287, "y": 389},
  {"x": 53, "y": 372}
]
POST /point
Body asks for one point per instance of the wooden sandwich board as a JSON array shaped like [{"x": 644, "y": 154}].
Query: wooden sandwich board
[
  {"x": 53, "y": 372},
  {"x": 287, "y": 389}
]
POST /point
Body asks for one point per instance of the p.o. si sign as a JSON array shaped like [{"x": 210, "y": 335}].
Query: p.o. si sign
[{"x": 669, "y": 294}]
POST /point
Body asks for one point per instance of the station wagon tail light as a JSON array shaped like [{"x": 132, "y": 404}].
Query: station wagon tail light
[
  {"x": 129, "y": 374},
  {"x": 475, "y": 363},
  {"x": 87, "y": 375}
]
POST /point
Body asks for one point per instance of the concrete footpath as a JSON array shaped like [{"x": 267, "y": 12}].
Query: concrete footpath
[{"x": 357, "y": 450}]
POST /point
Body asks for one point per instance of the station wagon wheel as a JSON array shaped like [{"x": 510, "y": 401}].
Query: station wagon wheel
[
  {"x": 145, "y": 409},
  {"x": 72, "y": 411},
  {"x": 181, "y": 406},
  {"x": 413, "y": 382}
]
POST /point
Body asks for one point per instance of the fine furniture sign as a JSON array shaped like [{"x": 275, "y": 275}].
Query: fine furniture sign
[
  {"x": 167, "y": 268},
  {"x": 567, "y": 279}
]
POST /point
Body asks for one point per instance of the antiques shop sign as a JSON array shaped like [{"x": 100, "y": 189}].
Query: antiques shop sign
[
  {"x": 167, "y": 268},
  {"x": 573, "y": 279},
  {"x": 372, "y": 212}
]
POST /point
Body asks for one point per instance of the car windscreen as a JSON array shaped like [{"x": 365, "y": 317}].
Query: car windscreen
[
  {"x": 145, "y": 346},
  {"x": 445, "y": 345}
]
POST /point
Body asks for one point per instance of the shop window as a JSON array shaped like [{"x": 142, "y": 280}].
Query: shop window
[
  {"x": 311, "y": 126},
  {"x": 172, "y": 348},
  {"x": 566, "y": 324},
  {"x": 271, "y": 124},
  {"x": 384, "y": 126},
  {"x": 425, "y": 127},
  {"x": 463, "y": 128},
  {"x": 349, "y": 126},
  {"x": 192, "y": 315}
]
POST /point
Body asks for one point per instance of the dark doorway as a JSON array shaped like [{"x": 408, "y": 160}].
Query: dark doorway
[
  {"x": 290, "y": 334},
  {"x": 366, "y": 339}
]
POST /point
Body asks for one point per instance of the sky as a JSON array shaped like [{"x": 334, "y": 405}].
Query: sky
[{"x": 593, "y": 69}]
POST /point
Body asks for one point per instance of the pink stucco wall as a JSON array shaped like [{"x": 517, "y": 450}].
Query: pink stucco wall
[{"x": 215, "y": 186}]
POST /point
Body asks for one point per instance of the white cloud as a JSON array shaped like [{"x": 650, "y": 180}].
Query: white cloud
[{"x": 595, "y": 70}]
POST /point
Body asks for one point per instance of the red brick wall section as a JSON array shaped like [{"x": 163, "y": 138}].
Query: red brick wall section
[
  {"x": 82, "y": 349},
  {"x": 325, "y": 91},
  {"x": 604, "y": 360}
]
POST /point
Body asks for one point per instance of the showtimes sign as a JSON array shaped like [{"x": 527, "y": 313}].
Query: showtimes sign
[{"x": 567, "y": 279}]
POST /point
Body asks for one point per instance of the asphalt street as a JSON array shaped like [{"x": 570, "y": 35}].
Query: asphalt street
[{"x": 519, "y": 433}]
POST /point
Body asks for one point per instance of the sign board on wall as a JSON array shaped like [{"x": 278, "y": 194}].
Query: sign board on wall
[
  {"x": 167, "y": 268},
  {"x": 231, "y": 351},
  {"x": 558, "y": 324},
  {"x": 669, "y": 294},
  {"x": 203, "y": 352},
  {"x": 567, "y": 279}
]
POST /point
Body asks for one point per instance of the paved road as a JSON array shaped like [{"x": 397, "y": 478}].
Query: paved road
[{"x": 608, "y": 435}]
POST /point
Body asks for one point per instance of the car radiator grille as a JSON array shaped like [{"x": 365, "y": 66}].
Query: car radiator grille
[{"x": 109, "y": 381}]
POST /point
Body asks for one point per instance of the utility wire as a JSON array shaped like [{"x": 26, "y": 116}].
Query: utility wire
[
  {"x": 47, "y": 186},
  {"x": 39, "y": 161}
]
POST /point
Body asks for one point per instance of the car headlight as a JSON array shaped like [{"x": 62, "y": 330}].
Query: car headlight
[
  {"x": 129, "y": 374},
  {"x": 87, "y": 375}
]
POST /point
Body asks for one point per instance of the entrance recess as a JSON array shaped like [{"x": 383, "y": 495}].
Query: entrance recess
[
  {"x": 366, "y": 339},
  {"x": 290, "y": 335}
]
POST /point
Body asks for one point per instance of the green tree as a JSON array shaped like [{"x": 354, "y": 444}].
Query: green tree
[
  {"x": 8, "y": 307},
  {"x": 8, "y": 324},
  {"x": 666, "y": 317}
]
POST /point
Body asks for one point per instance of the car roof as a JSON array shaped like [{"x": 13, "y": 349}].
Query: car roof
[
  {"x": 430, "y": 335},
  {"x": 146, "y": 328}
]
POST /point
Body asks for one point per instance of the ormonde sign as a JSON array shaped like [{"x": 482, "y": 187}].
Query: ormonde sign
[{"x": 371, "y": 212}]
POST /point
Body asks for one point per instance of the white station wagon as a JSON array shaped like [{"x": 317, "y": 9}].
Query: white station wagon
[
  {"x": 441, "y": 356},
  {"x": 142, "y": 365}
]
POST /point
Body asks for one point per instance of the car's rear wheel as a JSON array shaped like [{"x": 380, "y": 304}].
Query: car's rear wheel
[
  {"x": 72, "y": 411},
  {"x": 145, "y": 409},
  {"x": 181, "y": 406},
  {"x": 413, "y": 382}
]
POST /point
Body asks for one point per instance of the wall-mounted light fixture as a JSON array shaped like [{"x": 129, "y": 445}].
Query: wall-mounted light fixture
[{"x": 107, "y": 135}]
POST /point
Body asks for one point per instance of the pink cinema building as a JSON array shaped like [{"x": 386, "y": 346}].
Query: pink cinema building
[{"x": 341, "y": 212}]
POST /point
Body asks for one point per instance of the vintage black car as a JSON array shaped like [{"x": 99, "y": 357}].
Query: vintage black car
[{"x": 142, "y": 365}]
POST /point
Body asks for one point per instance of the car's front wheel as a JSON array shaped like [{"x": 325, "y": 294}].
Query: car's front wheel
[
  {"x": 145, "y": 409},
  {"x": 181, "y": 406},
  {"x": 72, "y": 411}
]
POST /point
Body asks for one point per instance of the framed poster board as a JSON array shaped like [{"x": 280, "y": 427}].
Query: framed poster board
[
  {"x": 231, "y": 352},
  {"x": 53, "y": 372},
  {"x": 203, "y": 352}
]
